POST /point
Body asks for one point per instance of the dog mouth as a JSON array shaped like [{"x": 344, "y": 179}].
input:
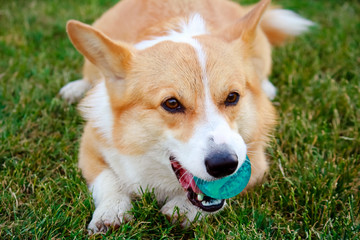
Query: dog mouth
[{"x": 195, "y": 196}]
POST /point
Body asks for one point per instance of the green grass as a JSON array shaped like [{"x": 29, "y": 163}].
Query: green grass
[{"x": 312, "y": 191}]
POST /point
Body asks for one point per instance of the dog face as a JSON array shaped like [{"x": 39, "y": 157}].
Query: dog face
[
  {"x": 194, "y": 97},
  {"x": 188, "y": 106}
]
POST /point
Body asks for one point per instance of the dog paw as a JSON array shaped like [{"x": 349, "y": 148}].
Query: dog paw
[
  {"x": 73, "y": 91},
  {"x": 108, "y": 217},
  {"x": 180, "y": 209}
]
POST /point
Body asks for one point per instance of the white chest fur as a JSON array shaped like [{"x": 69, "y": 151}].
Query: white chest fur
[{"x": 151, "y": 171}]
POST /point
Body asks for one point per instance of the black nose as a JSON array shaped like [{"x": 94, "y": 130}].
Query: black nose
[{"x": 221, "y": 163}]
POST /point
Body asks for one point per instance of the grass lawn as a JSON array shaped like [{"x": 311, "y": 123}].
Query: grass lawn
[{"x": 312, "y": 191}]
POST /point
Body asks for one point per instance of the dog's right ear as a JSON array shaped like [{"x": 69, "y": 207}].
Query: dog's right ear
[{"x": 112, "y": 58}]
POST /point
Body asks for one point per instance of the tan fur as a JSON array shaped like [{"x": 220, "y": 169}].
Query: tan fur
[
  {"x": 142, "y": 83},
  {"x": 126, "y": 22},
  {"x": 91, "y": 162},
  {"x": 137, "y": 82},
  {"x": 119, "y": 24}
]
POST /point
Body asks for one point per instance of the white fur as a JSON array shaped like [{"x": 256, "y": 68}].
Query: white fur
[
  {"x": 191, "y": 154},
  {"x": 194, "y": 27},
  {"x": 216, "y": 127},
  {"x": 74, "y": 90},
  {"x": 104, "y": 184},
  {"x": 111, "y": 203},
  {"x": 185, "y": 207},
  {"x": 269, "y": 89},
  {"x": 287, "y": 21},
  {"x": 97, "y": 110},
  {"x": 155, "y": 163},
  {"x": 126, "y": 176}
]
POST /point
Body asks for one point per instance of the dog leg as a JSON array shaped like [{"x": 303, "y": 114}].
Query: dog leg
[
  {"x": 181, "y": 205},
  {"x": 73, "y": 91},
  {"x": 111, "y": 204}
]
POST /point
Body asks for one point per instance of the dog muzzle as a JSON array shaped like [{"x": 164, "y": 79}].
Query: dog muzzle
[{"x": 210, "y": 195}]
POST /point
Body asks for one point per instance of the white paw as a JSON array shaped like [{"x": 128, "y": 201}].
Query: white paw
[
  {"x": 108, "y": 216},
  {"x": 269, "y": 89},
  {"x": 181, "y": 205},
  {"x": 73, "y": 91}
]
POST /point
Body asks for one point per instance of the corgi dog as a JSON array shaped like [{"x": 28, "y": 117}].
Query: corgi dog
[{"x": 178, "y": 89}]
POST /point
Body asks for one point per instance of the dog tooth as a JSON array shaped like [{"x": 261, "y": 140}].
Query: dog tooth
[
  {"x": 200, "y": 197},
  {"x": 205, "y": 203},
  {"x": 212, "y": 202}
]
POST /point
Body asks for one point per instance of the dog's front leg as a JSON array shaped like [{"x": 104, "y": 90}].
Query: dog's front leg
[
  {"x": 111, "y": 202},
  {"x": 181, "y": 205}
]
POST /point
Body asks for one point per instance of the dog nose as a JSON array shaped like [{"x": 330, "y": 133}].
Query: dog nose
[{"x": 221, "y": 163}]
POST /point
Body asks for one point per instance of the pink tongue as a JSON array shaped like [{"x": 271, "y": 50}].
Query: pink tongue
[{"x": 186, "y": 179}]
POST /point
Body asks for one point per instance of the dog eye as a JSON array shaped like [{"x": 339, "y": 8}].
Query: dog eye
[
  {"x": 172, "y": 105},
  {"x": 232, "y": 99}
]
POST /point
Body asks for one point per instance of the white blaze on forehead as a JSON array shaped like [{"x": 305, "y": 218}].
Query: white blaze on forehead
[{"x": 195, "y": 26}]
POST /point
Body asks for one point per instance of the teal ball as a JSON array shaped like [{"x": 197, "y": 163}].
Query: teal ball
[{"x": 229, "y": 186}]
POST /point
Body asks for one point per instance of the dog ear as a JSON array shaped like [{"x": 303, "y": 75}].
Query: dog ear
[
  {"x": 112, "y": 58},
  {"x": 246, "y": 27}
]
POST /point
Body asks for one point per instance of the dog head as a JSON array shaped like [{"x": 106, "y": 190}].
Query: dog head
[{"x": 192, "y": 95}]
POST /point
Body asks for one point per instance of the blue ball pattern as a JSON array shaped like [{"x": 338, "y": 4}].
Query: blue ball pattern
[{"x": 229, "y": 186}]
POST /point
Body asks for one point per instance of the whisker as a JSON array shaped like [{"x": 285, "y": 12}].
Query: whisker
[
  {"x": 254, "y": 142},
  {"x": 182, "y": 176},
  {"x": 251, "y": 164},
  {"x": 196, "y": 181},
  {"x": 177, "y": 170}
]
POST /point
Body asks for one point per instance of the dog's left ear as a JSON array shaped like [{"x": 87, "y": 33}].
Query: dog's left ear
[
  {"x": 245, "y": 37},
  {"x": 246, "y": 27}
]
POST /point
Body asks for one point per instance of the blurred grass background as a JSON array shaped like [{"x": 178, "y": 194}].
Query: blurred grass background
[{"x": 312, "y": 191}]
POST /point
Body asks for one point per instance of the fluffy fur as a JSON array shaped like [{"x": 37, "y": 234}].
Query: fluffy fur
[{"x": 141, "y": 53}]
